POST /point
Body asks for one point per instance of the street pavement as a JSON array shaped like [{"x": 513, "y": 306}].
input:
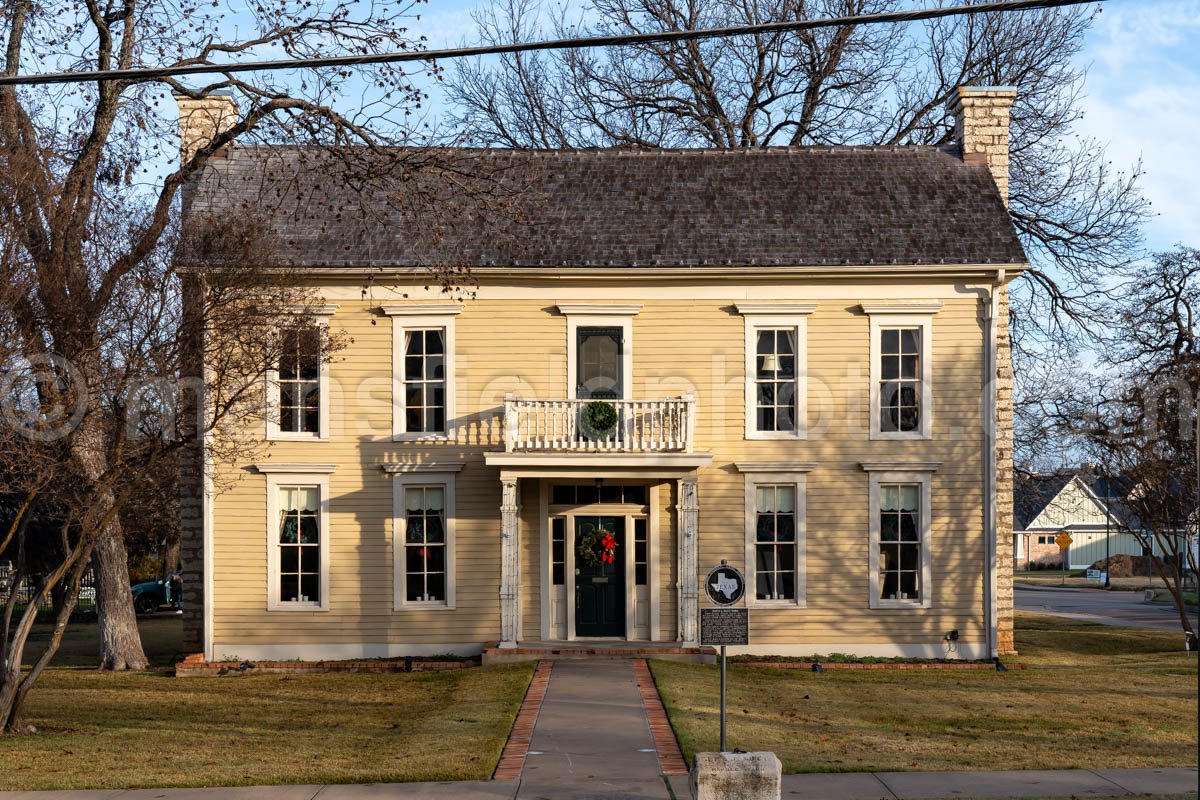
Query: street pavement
[{"x": 1098, "y": 605}]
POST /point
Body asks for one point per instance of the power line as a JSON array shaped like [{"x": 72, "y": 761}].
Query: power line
[{"x": 144, "y": 74}]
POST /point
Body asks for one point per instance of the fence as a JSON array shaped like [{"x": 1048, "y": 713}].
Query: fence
[{"x": 28, "y": 588}]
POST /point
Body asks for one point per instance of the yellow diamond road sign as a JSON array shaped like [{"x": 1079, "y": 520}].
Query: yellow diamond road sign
[{"x": 1063, "y": 540}]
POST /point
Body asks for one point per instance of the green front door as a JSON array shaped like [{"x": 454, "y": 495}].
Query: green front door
[{"x": 599, "y": 588}]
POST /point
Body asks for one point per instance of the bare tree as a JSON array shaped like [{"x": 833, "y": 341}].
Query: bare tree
[
  {"x": 94, "y": 313},
  {"x": 855, "y": 84},
  {"x": 1140, "y": 416}
]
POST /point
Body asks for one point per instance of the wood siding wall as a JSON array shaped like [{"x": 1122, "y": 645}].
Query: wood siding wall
[{"x": 680, "y": 344}]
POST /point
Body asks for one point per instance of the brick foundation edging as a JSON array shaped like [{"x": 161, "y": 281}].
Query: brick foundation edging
[
  {"x": 512, "y": 758},
  {"x": 197, "y": 667},
  {"x": 851, "y": 665},
  {"x": 670, "y": 757}
]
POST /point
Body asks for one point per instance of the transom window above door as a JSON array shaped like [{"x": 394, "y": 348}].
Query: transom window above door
[
  {"x": 599, "y": 355},
  {"x": 583, "y": 494}
]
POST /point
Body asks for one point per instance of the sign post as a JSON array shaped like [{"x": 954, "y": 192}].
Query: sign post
[
  {"x": 723, "y": 625},
  {"x": 1063, "y": 540}
]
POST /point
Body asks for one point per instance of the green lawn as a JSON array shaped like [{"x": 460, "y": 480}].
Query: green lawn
[
  {"x": 1094, "y": 696},
  {"x": 146, "y": 730}
]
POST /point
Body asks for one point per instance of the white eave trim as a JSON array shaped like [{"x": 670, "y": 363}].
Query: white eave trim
[
  {"x": 409, "y": 467},
  {"x": 903, "y": 307},
  {"x": 600, "y": 309},
  {"x": 421, "y": 309},
  {"x": 775, "y": 466},
  {"x": 271, "y": 467},
  {"x": 599, "y": 460},
  {"x": 900, "y": 466},
  {"x": 776, "y": 309},
  {"x": 320, "y": 310}
]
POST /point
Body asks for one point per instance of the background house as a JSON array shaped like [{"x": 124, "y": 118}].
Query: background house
[{"x": 1084, "y": 504}]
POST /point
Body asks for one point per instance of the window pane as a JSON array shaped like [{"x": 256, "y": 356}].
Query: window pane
[
  {"x": 435, "y": 587},
  {"x": 787, "y": 585},
  {"x": 909, "y": 496},
  {"x": 766, "y": 343},
  {"x": 785, "y": 341},
  {"x": 587, "y": 494},
  {"x": 435, "y": 368},
  {"x": 764, "y": 498},
  {"x": 435, "y": 560},
  {"x": 764, "y": 586},
  {"x": 435, "y": 341},
  {"x": 785, "y": 527},
  {"x": 785, "y": 498},
  {"x": 890, "y": 367},
  {"x": 610, "y": 494},
  {"x": 289, "y": 588},
  {"x": 308, "y": 530},
  {"x": 289, "y": 559},
  {"x": 561, "y": 494},
  {"x": 415, "y": 587},
  {"x": 413, "y": 368},
  {"x": 310, "y": 559},
  {"x": 890, "y": 340},
  {"x": 435, "y": 498},
  {"x": 414, "y": 344},
  {"x": 911, "y": 340},
  {"x": 636, "y": 495},
  {"x": 310, "y": 588},
  {"x": 414, "y": 559}
]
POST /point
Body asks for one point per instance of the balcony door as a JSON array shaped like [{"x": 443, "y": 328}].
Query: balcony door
[{"x": 599, "y": 359}]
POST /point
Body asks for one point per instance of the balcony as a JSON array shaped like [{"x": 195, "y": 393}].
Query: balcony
[{"x": 583, "y": 426}]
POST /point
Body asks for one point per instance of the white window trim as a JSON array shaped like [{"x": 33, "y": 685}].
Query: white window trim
[
  {"x": 776, "y": 315},
  {"x": 320, "y": 316},
  {"x": 923, "y": 477},
  {"x": 400, "y": 482},
  {"x": 409, "y": 317},
  {"x": 595, "y": 315},
  {"x": 799, "y": 480},
  {"x": 276, "y": 479},
  {"x": 902, "y": 315}
]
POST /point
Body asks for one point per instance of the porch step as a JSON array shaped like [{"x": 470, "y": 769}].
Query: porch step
[{"x": 554, "y": 651}]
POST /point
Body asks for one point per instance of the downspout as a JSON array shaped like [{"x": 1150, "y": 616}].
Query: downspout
[{"x": 990, "y": 566}]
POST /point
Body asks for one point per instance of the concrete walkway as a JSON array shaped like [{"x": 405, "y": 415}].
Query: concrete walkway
[{"x": 592, "y": 739}]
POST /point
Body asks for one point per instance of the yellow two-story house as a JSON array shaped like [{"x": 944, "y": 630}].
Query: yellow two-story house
[{"x": 791, "y": 360}]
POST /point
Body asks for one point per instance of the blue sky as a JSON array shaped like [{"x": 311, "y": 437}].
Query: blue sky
[{"x": 1142, "y": 98}]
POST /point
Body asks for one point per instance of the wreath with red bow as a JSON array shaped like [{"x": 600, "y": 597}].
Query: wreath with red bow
[{"x": 598, "y": 547}]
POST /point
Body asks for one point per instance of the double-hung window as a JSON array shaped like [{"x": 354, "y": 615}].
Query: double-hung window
[
  {"x": 900, "y": 548},
  {"x": 901, "y": 373},
  {"x": 776, "y": 366},
  {"x": 775, "y": 536},
  {"x": 297, "y": 537},
  {"x": 298, "y": 385},
  {"x": 422, "y": 371},
  {"x": 423, "y": 540}
]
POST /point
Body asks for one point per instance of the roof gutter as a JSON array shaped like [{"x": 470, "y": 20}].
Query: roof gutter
[{"x": 566, "y": 273}]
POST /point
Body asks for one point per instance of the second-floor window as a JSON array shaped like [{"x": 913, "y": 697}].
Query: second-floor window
[
  {"x": 299, "y": 381},
  {"x": 775, "y": 380},
  {"x": 425, "y": 380},
  {"x": 900, "y": 380}
]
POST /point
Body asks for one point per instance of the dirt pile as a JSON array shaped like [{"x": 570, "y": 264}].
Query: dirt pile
[{"x": 1124, "y": 566}]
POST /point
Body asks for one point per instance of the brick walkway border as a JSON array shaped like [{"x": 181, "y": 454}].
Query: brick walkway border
[
  {"x": 512, "y": 759},
  {"x": 670, "y": 759}
]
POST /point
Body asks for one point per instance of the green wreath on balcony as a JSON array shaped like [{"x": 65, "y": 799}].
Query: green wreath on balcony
[{"x": 601, "y": 417}]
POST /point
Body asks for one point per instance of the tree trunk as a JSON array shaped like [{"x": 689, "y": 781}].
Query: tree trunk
[{"x": 120, "y": 642}]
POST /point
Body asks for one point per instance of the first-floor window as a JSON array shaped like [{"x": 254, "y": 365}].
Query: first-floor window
[
  {"x": 424, "y": 541},
  {"x": 900, "y": 546},
  {"x": 775, "y": 542},
  {"x": 900, "y": 541},
  {"x": 425, "y": 544},
  {"x": 297, "y": 542}
]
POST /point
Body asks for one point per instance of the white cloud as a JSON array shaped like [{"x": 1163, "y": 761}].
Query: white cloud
[{"x": 1142, "y": 100}]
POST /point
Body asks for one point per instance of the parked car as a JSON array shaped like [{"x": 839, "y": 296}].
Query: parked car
[{"x": 153, "y": 595}]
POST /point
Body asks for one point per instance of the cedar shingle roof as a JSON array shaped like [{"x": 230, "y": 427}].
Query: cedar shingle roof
[{"x": 760, "y": 208}]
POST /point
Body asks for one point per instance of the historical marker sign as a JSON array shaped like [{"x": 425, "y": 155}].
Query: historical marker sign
[
  {"x": 725, "y": 585},
  {"x": 720, "y": 626}
]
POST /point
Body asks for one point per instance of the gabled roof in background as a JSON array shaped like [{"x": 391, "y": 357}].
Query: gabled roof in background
[
  {"x": 757, "y": 208},
  {"x": 1034, "y": 492}
]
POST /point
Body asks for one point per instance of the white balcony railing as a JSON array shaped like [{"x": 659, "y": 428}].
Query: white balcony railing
[{"x": 640, "y": 426}]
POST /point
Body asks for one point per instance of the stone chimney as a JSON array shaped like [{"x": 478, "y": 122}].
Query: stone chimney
[
  {"x": 981, "y": 118},
  {"x": 201, "y": 120}
]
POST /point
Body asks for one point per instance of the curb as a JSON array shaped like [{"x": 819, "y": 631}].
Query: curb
[
  {"x": 512, "y": 758},
  {"x": 670, "y": 758}
]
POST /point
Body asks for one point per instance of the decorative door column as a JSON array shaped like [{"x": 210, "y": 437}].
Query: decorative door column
[
  {"x": 510, "y": 564},
  {"x": 689, "y": 592}
]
